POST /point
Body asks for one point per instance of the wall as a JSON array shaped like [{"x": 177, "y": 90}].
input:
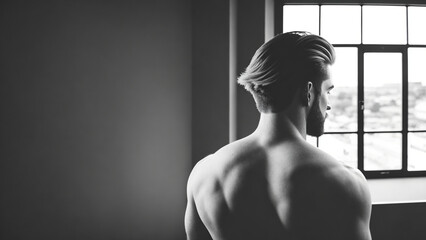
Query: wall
[
  {"x": 397, "y": 189},
  {"x": 210, "y": 70},
  {"x": 398, "y": 221},
  {"x": 250, "y": 35},
  {"x": 95, "y": 119}
]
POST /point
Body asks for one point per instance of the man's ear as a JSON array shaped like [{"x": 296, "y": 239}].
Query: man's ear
[{"x": 308, "y": 94}]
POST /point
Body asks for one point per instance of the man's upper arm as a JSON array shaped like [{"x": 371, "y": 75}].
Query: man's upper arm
[
  {"x": 194, "y": 226},
  {"x": 353, "y": 187},
  {"x": 330, "y": 205}
]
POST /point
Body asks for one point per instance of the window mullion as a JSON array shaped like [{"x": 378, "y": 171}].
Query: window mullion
[
  {"x": 405, "y": 109},
  {"x": 319, "y": 19},
  {"x": 406, "y": 24},
  {"x": 361, "y": 98},
  {"x": 362, "y": 24},
  {"x": 360, "y": 109}
]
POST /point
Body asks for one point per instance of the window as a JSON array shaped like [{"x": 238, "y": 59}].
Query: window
[{"x": 378, "y": 117}]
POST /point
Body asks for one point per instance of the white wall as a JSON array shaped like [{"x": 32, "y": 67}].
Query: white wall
[{"x": 397, "y": 189}]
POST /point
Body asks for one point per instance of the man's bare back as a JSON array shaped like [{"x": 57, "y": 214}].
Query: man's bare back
[
  {"x": 289, "y": 190},
  {"x": 273, "y": 184}
]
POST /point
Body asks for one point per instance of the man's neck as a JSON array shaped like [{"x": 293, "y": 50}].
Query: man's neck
[{"x": 277, "y": 127}]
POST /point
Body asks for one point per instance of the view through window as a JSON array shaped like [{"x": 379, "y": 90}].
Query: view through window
[{"x": 378, "y": 117}]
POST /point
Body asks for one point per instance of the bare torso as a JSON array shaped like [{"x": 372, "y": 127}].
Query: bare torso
[{"x": 289, "y": 190}]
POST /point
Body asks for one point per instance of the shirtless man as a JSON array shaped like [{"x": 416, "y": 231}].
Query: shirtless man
[{"x": 272, "y": 184}]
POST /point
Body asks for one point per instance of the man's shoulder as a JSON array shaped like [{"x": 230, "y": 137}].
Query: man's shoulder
[
  {"x": 234, "y": 158},
  {"x": 200, "y": 171},
  {"x": 345, "y": 179},
  {"x": 330, "y": 181},
  {"x": 229, "y": 154},
  {"x": 316, "y": 169},
  {"x": 330, "y": 198},
  {"x": 327, "y": 166},
  {"x": 208, "y": 166},
  {"x": 212, "y": 162}
]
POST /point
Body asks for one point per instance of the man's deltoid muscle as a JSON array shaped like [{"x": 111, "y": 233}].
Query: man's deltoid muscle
[{"x": 272, "y": 184}]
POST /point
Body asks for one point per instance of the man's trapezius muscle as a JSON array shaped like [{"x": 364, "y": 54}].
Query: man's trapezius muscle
[{"x": 272, "y": 184}]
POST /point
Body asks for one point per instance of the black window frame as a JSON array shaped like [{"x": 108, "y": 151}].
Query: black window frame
[{"x": 367, "y": 48}]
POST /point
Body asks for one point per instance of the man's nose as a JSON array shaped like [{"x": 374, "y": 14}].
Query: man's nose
[{"x": 328, "y": 107}]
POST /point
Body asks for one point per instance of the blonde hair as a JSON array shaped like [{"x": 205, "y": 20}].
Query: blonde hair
[{"x": 283, "y": 64}]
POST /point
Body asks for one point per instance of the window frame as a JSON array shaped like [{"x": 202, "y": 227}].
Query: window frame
[{"x": 362, "y": 49}]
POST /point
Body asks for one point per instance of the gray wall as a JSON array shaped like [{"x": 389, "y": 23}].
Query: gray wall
[
  {"x": 210, "y": 68},
  {"x": 398, "y": 221},
  {"x": 95, "y": 119},
  {"x": 250, "y": 35}
]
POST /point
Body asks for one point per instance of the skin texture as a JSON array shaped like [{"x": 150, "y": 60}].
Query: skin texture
[{"x": 273, "y": 185}]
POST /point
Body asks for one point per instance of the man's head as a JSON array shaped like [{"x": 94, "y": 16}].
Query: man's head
[{"x": 287, "y": 67}]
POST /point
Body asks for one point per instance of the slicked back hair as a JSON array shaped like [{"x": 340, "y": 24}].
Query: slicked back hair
[{"x": 284, "y": 64}]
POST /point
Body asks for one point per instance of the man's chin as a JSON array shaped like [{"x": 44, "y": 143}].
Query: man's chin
[{"x": 317, "y": 131}]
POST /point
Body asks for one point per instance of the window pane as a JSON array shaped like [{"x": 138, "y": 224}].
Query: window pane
[
  {"x": 382, "y": 91},
  {"x": 301, "y": 18},
  {"x": 343, "y": 98},
  {"x": 382, "y": 151},
  {"x": 416, "y": 151},
  {"x": 384, "y": 25},
  {"x": 416, "y": 25},
  {"x": 311, "y": 140},
  {"x": 416, "y": 89},
  {"x": 348, "y": 27},
  {"x": 343, "y": 147}
]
